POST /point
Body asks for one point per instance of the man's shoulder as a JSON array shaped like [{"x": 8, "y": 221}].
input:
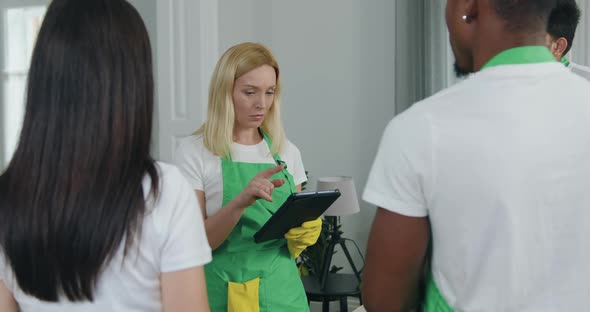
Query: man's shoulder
[
  {"x": 452, "y": 95},
  {"x": 580, "y": 70}
]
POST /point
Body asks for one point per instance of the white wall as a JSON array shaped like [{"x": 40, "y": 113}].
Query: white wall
[
  {"x": 580, "y": 52},
  {"x": 338, "y": 72},
  {"x": 147, "y": 9}
]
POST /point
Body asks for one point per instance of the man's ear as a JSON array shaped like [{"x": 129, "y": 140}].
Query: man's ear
[
  {"x": 561, "y": 45},
  {"x": 472, "y": 8}
]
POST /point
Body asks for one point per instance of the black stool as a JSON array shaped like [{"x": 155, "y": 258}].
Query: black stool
[{"x": 337, "y": 287}]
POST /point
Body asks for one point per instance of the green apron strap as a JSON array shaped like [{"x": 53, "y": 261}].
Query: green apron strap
[
  {"x": 275, "y": 156},
  {"x": 565, "y": 62},
  {"x": 521, "y": 55},
  {"x": 288, "y": 177}
]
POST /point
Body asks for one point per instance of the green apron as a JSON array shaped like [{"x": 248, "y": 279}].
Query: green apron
[
  {"x": 435, "y": 301},
  {"x": 264, "y": 270},
  {"x": 565, "y": 61}
]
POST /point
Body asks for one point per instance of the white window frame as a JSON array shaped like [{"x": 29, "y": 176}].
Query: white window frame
[{"x": 5, "y": 5}]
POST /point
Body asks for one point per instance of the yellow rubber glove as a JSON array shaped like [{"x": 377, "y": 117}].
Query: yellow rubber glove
[{"x": 304, "y": 236}]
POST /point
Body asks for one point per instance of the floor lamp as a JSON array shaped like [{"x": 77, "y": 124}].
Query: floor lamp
[{"x": 347, "y": 204}]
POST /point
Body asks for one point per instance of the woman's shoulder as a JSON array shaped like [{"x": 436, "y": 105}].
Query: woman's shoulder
[
  {"x": 193, "y": 147},
  {"x": 169, "y": 177},
  {"x": 167, "y": 172},
  {"x": 192, "y": 143},
  {"x": 172, "y": 186},
  {"x": 170, "y": 180}
]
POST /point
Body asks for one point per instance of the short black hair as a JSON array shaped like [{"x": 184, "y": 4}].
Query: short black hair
[
  {"x": 563, "y": 21},
  {"x": 524, "y": 15}
]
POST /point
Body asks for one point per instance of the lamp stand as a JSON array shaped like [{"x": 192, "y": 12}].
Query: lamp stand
[{"x": 335, "y": 239}]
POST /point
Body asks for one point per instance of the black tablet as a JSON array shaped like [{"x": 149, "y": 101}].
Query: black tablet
[{"x": 298, "y": 208}]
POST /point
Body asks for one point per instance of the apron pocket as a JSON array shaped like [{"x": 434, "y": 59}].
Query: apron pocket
[{"x": 243, "y": 297}]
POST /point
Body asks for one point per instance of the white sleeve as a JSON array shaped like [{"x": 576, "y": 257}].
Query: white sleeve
[
  {"x": 188, "y": 160},
  {"x": 183, "y": 239},
  {"x": 402, "y": 167},
  {"x": 295, "y": 163}
]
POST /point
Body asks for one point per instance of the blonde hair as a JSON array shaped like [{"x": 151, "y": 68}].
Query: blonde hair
[{"x": 217, "y": 131}]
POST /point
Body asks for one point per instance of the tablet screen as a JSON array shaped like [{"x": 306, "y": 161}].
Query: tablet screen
[{"x": 298, "y": 208}]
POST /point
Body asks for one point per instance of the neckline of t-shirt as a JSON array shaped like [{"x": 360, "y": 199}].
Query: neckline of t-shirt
[
  {"x": 520, "y": 55},
  {"x": 531, "y": 69},
  {"x": 249, "y": 147}
]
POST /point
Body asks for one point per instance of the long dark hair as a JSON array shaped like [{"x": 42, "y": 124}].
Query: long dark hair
[{"x": 72, "y": 193}]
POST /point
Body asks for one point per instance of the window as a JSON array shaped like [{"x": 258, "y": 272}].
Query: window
[{"x": 20, "y": 26}]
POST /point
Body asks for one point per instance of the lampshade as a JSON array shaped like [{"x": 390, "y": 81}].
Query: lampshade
[{"x": 347, "y": 203}]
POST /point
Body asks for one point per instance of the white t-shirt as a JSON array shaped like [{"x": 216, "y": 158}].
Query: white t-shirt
[
  {"x": 173, "y": 238},
  {"x": 501, "y": 165},
  {"x": 202, "y": 168},
  {"x": 582, "y": 71}
]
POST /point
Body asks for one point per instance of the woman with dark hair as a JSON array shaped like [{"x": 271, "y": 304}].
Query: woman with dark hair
[{"x": 88, "y": 220}]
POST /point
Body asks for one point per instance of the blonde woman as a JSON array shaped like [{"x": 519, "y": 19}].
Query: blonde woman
[{"x": 242, "y": 168}]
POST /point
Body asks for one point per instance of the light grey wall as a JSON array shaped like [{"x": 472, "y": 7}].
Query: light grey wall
[
  {"x": 148, "y": 11},
  {"x": 338, "y": 73},
  {"x": 438, "y": 56},
  {"x": 409, "y": 53},
  {"x": 237, "y": 20},
  {"x": 423, "y": 54},
  {"x": 581, "y": 48}
]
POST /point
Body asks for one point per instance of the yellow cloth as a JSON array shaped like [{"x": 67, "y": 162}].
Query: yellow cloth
[
  {"x": 243, "y": 297},
  {"x": 304, "y": 236}
]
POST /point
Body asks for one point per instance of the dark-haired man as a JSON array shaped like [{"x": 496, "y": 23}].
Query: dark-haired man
[
  {"x": 561, "y": 30},
  {"x": 496, "y": 170}
]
